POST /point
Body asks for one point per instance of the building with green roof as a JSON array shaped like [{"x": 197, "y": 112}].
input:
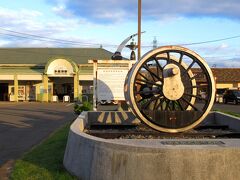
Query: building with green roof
[
  {"x": 47, "y": 74},
  {"x": 51, "y": 74}
]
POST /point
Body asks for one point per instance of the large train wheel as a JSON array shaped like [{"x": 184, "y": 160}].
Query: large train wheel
[{"x": 171, "y": 89}]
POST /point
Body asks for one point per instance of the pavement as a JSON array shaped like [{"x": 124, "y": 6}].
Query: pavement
[
  {"x": 23, "y": 125},
  {"x": 227, "y": 107}
]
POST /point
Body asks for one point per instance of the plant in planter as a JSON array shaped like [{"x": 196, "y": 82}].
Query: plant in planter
[{"x": 86, "y": 106}]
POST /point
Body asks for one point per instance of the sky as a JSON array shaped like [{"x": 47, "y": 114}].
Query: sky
[{"x": 106, "y": 23}]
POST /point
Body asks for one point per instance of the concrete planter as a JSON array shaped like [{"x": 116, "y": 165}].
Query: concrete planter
[{"x": 92, "y": 158}]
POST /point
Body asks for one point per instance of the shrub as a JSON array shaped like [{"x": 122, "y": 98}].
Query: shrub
[{"x": 86, "y": 106}]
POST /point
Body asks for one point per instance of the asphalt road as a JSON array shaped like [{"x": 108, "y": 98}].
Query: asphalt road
[
  {"x": 227, "y": 107},
  {"x": 23, "y": 125}
]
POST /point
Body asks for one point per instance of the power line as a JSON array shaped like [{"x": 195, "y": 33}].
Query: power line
[
  {"x": 61, "y": 41},
  {"x": 43, "y": 38},
  {"x": 211, "y": 41},
  {"x": 203, "y": 42},
  {"x": 58, "y": 42}
]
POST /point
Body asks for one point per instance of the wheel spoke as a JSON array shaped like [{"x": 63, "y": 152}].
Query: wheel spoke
[
  {"x": 146, "y": 82},
  {"x": 139, "y": 101},
  {"x": 197, "y": 86},
  {"x": 180, "y": 59},
  {"x": 180, "y": 104},
  {"x": 168, "y": 56},
  {"x": 158, "y": 74},
  {"x": 195, "y": 108},
  {"x": 196, "y": 96},
  {"x": 139, "y": 83},
  {"x": 158, "y": 66},
  {"x": 144, "y": 77},
  {"x": 173, "y": 105},
  {"x": 145, "y": 92},
  {"x": 197, "y": 75},
  {"x": 167, "y": 105},
  {"x": 160, "y": 103},
  {"x": 155, "y": 104},
  {"x": 153, "y": 98},
  {"x": 194, "y": 77},
  {"x": 189, "y": 67},
  {"x": 152, "y": 73}
]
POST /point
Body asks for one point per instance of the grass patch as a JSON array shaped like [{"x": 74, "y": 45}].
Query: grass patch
[
  {"x": 228, "y": 112},
  {"x": 44, "y": 161}
]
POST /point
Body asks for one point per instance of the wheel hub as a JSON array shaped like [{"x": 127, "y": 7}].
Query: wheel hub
[{"x": 173, "y": 88}]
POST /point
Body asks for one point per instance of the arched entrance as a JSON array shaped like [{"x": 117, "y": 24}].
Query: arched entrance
[{"x": 60, "y": 79}]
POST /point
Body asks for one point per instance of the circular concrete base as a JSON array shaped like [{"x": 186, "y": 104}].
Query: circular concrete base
[{"x": 89, "y": 157}]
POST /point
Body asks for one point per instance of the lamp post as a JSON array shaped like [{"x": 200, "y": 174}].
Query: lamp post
[
  {"x": 139, "y": 27},
  {"x": 132, "y": 46}
]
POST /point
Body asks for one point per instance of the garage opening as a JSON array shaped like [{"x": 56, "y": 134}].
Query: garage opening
[
  {"x": 4, "y": 92},
  {"x": 62, "y": 86}
]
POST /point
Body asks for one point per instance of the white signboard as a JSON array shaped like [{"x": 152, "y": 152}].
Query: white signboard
[
  {"x": 110, "y": 83},
  {"x": 108, "y": 80}
]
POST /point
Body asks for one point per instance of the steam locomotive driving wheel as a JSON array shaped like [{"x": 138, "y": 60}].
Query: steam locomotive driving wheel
[{"x": 171, "y": 89}]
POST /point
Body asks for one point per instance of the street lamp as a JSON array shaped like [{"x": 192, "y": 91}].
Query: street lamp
[{"x": 132, "y": 46}]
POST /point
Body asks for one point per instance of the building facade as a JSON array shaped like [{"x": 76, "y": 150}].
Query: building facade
[
  {"x": 42, "y": 74},
  {"x": 226, "y": 78}
]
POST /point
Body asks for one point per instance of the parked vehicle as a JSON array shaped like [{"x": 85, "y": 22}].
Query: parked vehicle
[{"x": 231, "y": 96}]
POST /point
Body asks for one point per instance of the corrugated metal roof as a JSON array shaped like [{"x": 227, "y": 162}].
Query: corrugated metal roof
[
  {"x": 43, "y": 55},
  {"x": 20, "y": 70},
  {"x": 222, "y": 75},
  {"x": 86, "y": 69},
  {"x": 226, "y": 74}
]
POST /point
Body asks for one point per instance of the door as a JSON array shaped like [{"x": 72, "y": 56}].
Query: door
[{"x": 4, "y": 92}]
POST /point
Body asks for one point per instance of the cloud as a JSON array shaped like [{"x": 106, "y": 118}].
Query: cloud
[
  {"x": 223, "y": 46},
  {"x": 221, "y": 49},
  {"x": 222, "y": 62},
  {"x": 31, "y": 22},
  {"x": 62, "y": 11},
  {"x": 109, "y": 11},
  {"x": 3, "y": 43},
  {"x": 235, "y": 63},
  {"x": 11, "y": 18},
  {"x": 194, "y": 8},
  {"x": 94, "y": 11},
  {"x": 220, "y": 55}
]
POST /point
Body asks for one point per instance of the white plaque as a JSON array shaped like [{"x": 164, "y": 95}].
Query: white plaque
[{"x": 110, "y": 83}]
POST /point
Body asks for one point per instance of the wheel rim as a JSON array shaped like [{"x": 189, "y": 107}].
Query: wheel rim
[{"x": 157, "y": 109}]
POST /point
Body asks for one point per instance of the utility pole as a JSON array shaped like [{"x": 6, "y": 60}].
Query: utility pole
[{"x": 139, "y": 27}]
